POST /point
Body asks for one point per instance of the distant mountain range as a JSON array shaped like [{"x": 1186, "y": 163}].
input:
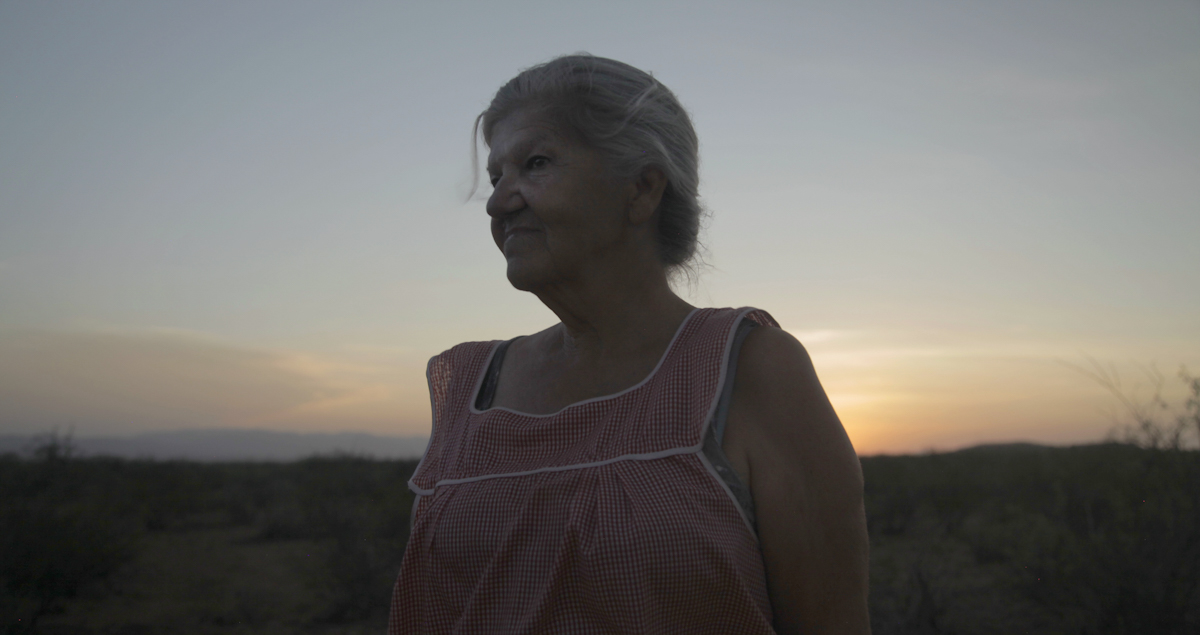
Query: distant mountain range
[
  {"x": 267, "y": 445},
  {"x": 232, "y": 445}
]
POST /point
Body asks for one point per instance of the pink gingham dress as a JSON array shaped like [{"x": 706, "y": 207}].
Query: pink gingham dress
[{"x": 604, "y": 517}]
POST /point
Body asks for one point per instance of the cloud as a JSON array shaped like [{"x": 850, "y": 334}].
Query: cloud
[{"x": 109, "y": 382}]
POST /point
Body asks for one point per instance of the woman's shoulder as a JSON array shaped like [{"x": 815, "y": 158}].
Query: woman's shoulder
[
  {"x": 776, "y": 374},
  {"x": 459, "y": 358},
  {"x": 469, "y": 353},
  {"x": 754, "y": 314},
  {"x": 464, "y": 350},
  {"x": 778, "y": 390}
]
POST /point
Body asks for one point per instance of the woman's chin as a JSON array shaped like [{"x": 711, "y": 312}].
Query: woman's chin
[{"x": 526, "y": 276}]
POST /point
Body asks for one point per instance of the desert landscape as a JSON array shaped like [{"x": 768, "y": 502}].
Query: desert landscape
[{"x": 1101, "y": 538}]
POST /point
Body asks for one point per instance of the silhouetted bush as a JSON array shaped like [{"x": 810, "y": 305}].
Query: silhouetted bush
[{"x": 59, "y": 530}]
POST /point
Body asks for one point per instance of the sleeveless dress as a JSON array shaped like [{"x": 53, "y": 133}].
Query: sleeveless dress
[{"x": 604, "y": 517}]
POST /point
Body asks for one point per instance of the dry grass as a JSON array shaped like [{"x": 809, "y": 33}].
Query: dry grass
[{"x": 211, "y": 580}]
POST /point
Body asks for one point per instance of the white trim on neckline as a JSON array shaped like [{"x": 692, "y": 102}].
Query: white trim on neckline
[
  {"x": 648, "y": 456},
  {"x": 691, "y": 449}
]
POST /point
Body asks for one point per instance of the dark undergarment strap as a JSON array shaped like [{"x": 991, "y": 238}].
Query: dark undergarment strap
[{"x": 487, "y": 392}]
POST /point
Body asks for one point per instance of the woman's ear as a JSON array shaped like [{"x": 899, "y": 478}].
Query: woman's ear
[{"x": 648, "y": 188}]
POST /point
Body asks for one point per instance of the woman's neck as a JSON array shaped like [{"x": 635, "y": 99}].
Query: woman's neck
[{"x": 614, "y": 315}]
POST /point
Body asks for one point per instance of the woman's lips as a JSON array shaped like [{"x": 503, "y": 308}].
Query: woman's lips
[{"x": 512, "y": 232}]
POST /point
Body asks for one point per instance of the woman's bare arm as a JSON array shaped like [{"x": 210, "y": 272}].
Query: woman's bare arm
[{"x": 807, "y": 486}]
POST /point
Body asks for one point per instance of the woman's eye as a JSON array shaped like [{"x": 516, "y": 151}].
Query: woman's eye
[{"x": 537, "y": 162}]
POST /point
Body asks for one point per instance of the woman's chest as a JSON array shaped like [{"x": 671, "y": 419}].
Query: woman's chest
[
  {"x": 538, "y": 381},
  {"x": 653, "y": 508},
  {"x": 542, "y": 389},
  {"x": 624, "y": 547}
]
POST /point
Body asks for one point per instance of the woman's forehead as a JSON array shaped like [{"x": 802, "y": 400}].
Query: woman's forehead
[{"x": 513, "y": 137}]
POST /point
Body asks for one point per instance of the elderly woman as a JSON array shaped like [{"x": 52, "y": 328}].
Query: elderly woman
[{"x": 642, "y": 466}]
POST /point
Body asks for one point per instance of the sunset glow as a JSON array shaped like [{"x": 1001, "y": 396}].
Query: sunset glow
[{"x": 253, "y": 216}]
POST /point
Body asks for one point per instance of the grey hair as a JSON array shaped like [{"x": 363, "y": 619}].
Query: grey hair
[{"x": 632, "y": 120}]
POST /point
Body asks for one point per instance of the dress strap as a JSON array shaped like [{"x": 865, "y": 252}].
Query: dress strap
[
  {"x": 714, "y": 440},
  {"x": 743, "y": 329}
]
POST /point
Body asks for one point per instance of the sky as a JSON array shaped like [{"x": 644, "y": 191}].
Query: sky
[{"x": 255, "y": 214}]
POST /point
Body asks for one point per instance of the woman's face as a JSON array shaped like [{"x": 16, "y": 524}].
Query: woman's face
[{"x": 556, "y": 209}]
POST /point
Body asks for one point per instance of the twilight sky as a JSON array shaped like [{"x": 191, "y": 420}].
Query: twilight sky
[{"x": 251, "y": 214}]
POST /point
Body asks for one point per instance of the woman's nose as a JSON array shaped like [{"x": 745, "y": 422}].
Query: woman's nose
[{"x": 504, "y": 200}]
